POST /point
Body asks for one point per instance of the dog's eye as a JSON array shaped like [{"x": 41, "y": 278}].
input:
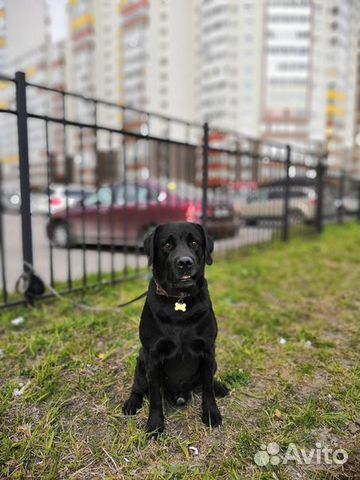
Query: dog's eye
[
  {"x": 194, "y": 243},
  {"x": 167, "y": 246}
]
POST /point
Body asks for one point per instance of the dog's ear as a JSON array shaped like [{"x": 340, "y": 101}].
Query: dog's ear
[
  {"x": 149, "y": 241},
  {"x": 209, "y": 244}
]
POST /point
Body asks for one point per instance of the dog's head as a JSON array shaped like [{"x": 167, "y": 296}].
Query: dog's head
[{"x": 178, "y": 253}]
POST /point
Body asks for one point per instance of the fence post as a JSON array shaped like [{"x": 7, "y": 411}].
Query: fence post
[
  {"x": 27, "y": 248},
  {"x": 340, "y": 209},
  {"x": 205, "y": 173},
  {"x": 285, "y": 232},
  {"x": 2, "y": 246},
  {"x": 255, "y": 160},
  {"x": 358, "y": 208},
  {"x": 320, "y": 170}
]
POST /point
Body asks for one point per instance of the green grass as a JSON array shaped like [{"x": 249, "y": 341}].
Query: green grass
[{"x": 76, "y": 368}]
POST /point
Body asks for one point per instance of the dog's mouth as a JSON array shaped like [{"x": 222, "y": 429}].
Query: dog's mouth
[
  {"x": 185, "y": 278},
  {"x": 181, "y": 282},
  {"x": 185, "y": 281}
]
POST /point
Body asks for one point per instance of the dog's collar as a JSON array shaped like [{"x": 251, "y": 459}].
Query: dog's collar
[
  {"x": 161, "y": 291},
  {"x": 179, "y": 304}
]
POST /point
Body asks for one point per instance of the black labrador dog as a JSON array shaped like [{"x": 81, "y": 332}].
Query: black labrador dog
[{"x": 178, "y": 327}]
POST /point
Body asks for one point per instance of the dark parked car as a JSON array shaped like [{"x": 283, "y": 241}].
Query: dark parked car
[{"x": 123, "y": 215}]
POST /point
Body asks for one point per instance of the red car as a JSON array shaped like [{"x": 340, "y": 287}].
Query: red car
[{"x": 109, "y": 216}]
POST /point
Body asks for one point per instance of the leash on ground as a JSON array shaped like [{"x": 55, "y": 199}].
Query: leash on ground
[{"x": 30, "y": 284}]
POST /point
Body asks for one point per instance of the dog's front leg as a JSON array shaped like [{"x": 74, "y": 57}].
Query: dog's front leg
[
  {"x": 138, "y": 389},
  {"x": 210, "y": 413},
  {"x": 155, "y": 423}
]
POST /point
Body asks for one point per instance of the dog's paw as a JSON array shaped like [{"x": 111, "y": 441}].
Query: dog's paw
[
  {"x": 220, "y": 389},
  {"x": 132, "y": 405},
  {"x": 155, "y": 425},
  {"x": 212, "y": 416}
]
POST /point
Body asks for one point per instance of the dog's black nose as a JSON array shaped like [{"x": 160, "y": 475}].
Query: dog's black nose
[{"x": 184, "y": 263}]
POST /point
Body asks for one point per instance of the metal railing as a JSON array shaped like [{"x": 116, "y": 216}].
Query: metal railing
[{"x": 120, "y": 171}]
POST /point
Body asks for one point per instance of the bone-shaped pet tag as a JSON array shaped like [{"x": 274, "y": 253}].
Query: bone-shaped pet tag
[{"x": 180, "y": 305}]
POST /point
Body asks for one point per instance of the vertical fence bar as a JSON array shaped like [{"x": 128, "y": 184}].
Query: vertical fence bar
[
  {"x": 97, "y": 187},
  {"x": 167, "y": 170},
  {"x": 285, "y": 232},
  {"x": 126, "y": 208},
  {"x": 254, "y": 159},
  {"x": 255, "y": 148},
  {"x": 340, "y": 209},
  {"x": 185, "y": 162},
  {"x": 156, "y": 160},
  {"x": 2, "y": 246},
  {"x": 112, "y": 209},
  {"x": 358, "y": 206},
  {"x": 48, "y": 181},
  {"x": 83, "y": 212},
  {"x": 137, "y": 220},
  {"x": 66, "y": 168},
  {"x": 27, "y": 247},
  {"x": 205, "y": 178},
  {"x": 320, "y": 170},
  {"x": 178, "y": 159}
]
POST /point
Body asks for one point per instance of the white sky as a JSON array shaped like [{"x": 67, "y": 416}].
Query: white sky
[{"x": 57, "y": 18}]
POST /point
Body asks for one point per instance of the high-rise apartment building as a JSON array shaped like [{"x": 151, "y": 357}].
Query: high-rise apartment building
[
  {"x": 273, "y": 69},
  {"x": 228, "y": 72},
  {"x": 228, "y": 64},
  {"x": 43, "y": 66},
  {"x": 93, "y": 52},
  {"x": 22, "y": 34},
  {"x": 280, "y": 70},
  {"x": 25, "y": 47},
  {"x": 158, "y": 47},
  {"x": 133, "y": 37},
  {"x": 86, "y": 62},
  {"x": 286, "y": 77},
  {"x": 356, "y": 152},
  {"x": 333, "y": 77},
  {"x": 2, "y": 34},
  {"x": 93, "y": 70}
]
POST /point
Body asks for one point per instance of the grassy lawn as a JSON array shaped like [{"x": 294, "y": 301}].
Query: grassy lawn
[{"x": 287, "y": 346}]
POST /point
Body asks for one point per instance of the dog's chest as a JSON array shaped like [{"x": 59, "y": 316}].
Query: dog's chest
[
  {"x": 182, "y": 313},
  {"x": 180, "y": 372},
  {"x": 182, "y": 365}
]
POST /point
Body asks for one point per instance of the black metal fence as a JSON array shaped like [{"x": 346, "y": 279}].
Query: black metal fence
[{"x": 82, "y": 181}]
